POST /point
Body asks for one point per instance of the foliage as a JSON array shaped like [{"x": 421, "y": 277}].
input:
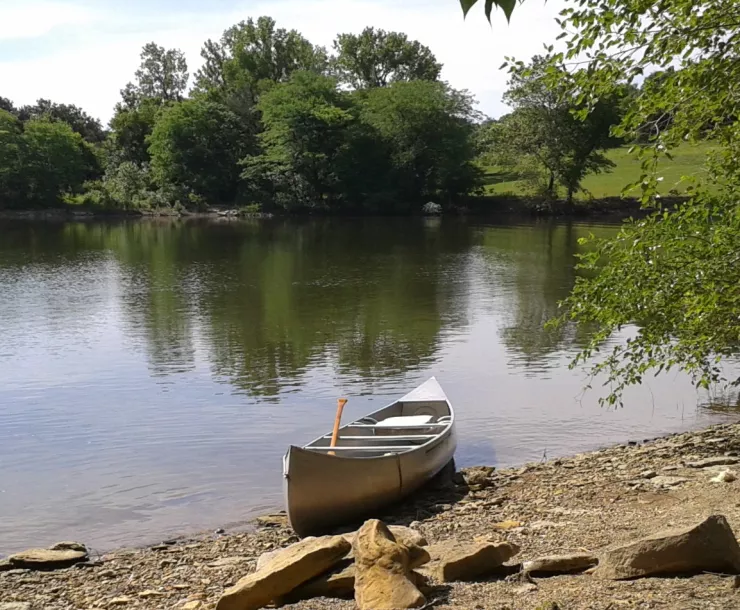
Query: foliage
[
  {"x": 131, "y": 127},
  {"x": 676, "y": 272},
  {"x": 304, "y": 120},
  {"x": 81, "y": 122},
  {"x": 506, "y": 5},
  {"x": 376, "y": 58},
  {"x": 40, "y": 160},
  {"x": 426, "y": 129},
  {"x": 251, "y": 54},
  {"x": 162, "y": 75},
  {"x": 197, "y": 144},
  {"x": 545, "y": 128}
]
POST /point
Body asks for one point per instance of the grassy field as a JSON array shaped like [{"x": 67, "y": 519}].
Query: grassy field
[{"x": 688, "y": 160}]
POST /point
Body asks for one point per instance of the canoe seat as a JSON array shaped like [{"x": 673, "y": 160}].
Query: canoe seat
[{"x": 405, "y": 420}]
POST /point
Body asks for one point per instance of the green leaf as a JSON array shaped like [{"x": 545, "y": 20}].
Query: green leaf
[{"x": 467, "y": 5}]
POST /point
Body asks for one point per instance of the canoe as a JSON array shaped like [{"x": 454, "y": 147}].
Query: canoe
[{"x": 377, "y": 460}]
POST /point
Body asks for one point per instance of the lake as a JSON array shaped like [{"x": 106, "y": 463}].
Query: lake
[{"x": 152, "y": 373}]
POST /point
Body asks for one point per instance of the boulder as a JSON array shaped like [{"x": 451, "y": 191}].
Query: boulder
[
  {"x": 295, "y": 565},
  {"x": 560, "y": 564},
  {"x": 382, "y": 571},
  {"x": 452, "y": 560},
  {"x": 709, "y": 546},
  {"x": 46, "y": 559},
  {"x": 340, "y": 582}
]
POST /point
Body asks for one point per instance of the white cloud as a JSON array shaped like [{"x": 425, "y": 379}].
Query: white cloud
[
  {"x": 91, "y": 71},
  {"x": 33, "y": 19}
]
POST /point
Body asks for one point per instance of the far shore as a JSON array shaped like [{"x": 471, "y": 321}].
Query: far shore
[
  {"x": 490, "y": 205},
  {"x": 587, "y": 502}
]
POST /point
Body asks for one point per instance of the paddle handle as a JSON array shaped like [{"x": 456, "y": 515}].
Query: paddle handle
[{"x": 335, "y": 434}]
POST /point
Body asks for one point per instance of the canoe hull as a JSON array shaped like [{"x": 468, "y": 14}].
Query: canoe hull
[{"x": 323, "y": 491}]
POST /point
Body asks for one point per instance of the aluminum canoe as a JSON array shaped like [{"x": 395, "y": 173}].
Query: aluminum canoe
[{"x": 378, "y": 459}]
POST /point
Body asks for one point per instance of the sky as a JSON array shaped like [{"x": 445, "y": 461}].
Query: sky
[{"x": 84, "y": 52}]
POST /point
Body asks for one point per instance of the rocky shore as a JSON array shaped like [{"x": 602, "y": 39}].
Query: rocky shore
[{"x": 560, "y": 534}]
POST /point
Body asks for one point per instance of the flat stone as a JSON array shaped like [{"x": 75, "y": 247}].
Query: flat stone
[
  {"x": 721, "y": 460},
  {"x": 452, "y": 561},
  {"x": 120, "y": 601},
  {"x": 149, "y": 593},
  {"x": 15, "y": 606},
  {"x": 297, "y": 564},
  {"x": 561, "y": 564},
  {"x": 383, "y": 579},
  {"x": 509, "y": 524},
  {"x": 709, "y": 546},
  {"x": 339, "y": 583},
  {"x": 666, "y": 481},
  {"x": 647, "y": 474},
  {"x": 195, "y": 604},
  {"x": 45, "y": 559},
  {"x": 225, "y": 562}
]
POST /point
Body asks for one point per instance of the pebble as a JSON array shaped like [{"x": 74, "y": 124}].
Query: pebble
[{"x": 726, "y": 476}]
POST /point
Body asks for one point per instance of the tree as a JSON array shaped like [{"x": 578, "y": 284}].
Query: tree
[
  {"x": 676, "y": 273},
  {"x": 376, "y": 58},
  {"x": 251, "y": 53},
  {"x": 54, "y": 161},
  {"x": 163, "y": 73},
  {"x": 305, "y": 121},
  {"x": 544, "y": 128},
  {"x": 11, "y": 158},
  {"x": 132, "y": 125},
  {"x": 81, "y": 122},
  {"x": 425, "y": 128},
  {"x": 198, "y": 144}
]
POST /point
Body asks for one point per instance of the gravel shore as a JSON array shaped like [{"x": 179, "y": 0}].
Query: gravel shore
[{"x": 583, "y": 503}]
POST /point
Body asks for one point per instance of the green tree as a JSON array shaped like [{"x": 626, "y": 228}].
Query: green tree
[
  {"x": 305, "y": 122},
  {"x": 11, "y": 158},
  {"x": 198, "y": 144},
  {"x": 251, "y": 54},
  {"x": 376, "y": 58},
  {"x": 54, "y": 161},
  {"x": 132, "y": 125},
  {"x": 675, "y": 274},
  {"x": 425, "y": 128},
  {"x": 544, "y": 129},
  {"x": 81, "y": 122},
  {"x": 163, "y": 73}
]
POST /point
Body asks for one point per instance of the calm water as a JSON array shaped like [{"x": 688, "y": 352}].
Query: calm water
[{"x": 153, "y": 373}]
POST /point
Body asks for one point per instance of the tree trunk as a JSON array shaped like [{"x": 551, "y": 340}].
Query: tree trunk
[{"x": 551, "y": 186}]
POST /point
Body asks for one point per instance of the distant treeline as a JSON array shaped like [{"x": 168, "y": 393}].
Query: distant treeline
[{"x": 275, "y": 122}]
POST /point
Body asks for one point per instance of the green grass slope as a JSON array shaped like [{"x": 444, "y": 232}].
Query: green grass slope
[{"x": 688, "y": 160}]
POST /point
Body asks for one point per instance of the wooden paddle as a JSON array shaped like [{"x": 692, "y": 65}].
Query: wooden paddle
[{"x": 335, "y": 435}]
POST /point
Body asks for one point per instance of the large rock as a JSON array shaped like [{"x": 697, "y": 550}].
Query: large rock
[
  {"x": 709, "y": 546},
  {"x": 476, "y": 476},
  {"x": 452, "y": 560},
  {"x": 340, "y": 582},
  {"x": 47, "y": 559},
  {"x": 404, "y": 535},
  {"x": 382, "y": 571},
  {"x": 560, "y": 564},
  {"x": 292, "y": 567}
]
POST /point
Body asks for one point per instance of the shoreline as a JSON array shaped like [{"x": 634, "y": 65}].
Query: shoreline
[
  {"x": 589, "y": 500},
  {"x": 471, "y": 206}
]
